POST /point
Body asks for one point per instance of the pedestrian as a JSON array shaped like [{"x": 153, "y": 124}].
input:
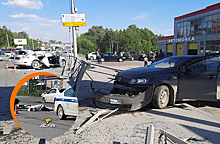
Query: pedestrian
[
  {"x": 115, "y": 52},
  {"x": 87, "y": 55},
  {"x": 145, "y": 61},
  {"x": 98, "y": 55}
]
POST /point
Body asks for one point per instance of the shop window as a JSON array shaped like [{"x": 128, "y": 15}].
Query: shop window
[
  {"x": 192, "y": 22},
  {"x": 178, "y": 25},
  {"x": 188, "y": 31},
  {"x": 210, "y": 18},
  {"x": 184, "y": 31},
  {"x": 199, "y": 29},
  {"x": 204, "y": 26},
  {"x": 196, "y": 21},
  {"x": 218, "y": 42},
  {"x": 195, "y": 29},
  {"x": 192, "y": 30},
  {"x": 209, "y": 28},
  {"x": 201, "y": 42},
  {"x": 181, "y": 24},
  {"x": 178, "y": 32},
  {"x": 181, "y": 32},
  {"x": 215, "y": 17}
]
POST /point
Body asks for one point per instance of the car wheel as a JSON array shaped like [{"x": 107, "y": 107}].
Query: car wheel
[
  {"x": 132, "y": 58},
  {"x": 91, "y": 58},
  {"x": 36, "y": 64},
  {"x": 43, "y": 100},
  {"x": 102, "y": 59},
  {"x": 60, "y": 113},
  {"x": 161, "y": 96},
  {"x": 120, "y": 59},
  {"x": 63, "y": 63}
]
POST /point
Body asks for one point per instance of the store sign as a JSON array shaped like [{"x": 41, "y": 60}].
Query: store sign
[
  {"x": 20, "y": 41},
  {"x": 74, "y": 20},
  {"x": 182, "y": 39}
]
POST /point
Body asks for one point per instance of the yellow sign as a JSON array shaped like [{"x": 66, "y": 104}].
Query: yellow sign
[
  {"x": 68, "y": 24},
  {"x": 47, "y": 120}
]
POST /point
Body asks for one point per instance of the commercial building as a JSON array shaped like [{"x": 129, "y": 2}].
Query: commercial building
[{"x": 196, "y": 33}]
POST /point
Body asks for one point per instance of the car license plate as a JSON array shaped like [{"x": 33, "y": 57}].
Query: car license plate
[{"x": 113, "y": 101}]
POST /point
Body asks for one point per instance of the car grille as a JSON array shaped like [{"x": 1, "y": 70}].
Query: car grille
[{"x": 17, "y": 58}]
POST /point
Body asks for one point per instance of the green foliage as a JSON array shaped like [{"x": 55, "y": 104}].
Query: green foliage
[
  {"x": 11, "y": 36},
  {"x": 108, "y": 40}
]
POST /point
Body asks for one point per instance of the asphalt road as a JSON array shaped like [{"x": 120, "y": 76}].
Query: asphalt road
[{"x": 31, "y": 121}]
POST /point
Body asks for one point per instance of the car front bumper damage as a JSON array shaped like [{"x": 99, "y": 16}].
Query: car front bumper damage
[{"x": 123, "y": 101}]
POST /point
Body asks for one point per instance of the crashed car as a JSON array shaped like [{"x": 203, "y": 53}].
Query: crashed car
[
  {"x": 37, "y": 59},
  {"x": 171, "y": 79}
]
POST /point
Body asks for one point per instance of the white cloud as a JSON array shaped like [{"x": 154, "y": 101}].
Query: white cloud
[
  {"x": 28, "y": 4},
  {"x": 159, "y": 30},
  {"x": 21, "y": 15},
  {"x": 54, "y": 21},
  {"x": 26, "y": 28},
  {"x": 141, "y": 16},
  {"x": 168, "y": 31}
]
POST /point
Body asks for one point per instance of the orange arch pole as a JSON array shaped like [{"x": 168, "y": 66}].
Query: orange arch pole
[{"x": 17, "y": 88}]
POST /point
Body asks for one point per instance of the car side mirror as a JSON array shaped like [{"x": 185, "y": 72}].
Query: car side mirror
[{"x": 183, "y": 69}]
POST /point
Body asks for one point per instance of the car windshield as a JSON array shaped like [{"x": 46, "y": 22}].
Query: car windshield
[
  {"x": 21, "y": 53},
  {"x": 170, "y": 62}
]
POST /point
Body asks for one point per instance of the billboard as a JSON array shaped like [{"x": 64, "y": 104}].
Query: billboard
[
  {"x": 74, "y": 20},
  {"x": 20, "y": 41}
]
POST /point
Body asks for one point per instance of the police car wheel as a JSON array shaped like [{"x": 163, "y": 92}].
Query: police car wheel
[{"x": 60, "y": 113}]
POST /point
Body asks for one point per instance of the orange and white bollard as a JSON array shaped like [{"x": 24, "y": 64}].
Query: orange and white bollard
[
  {"x": 15, "y": 70},
  {"x": 6, "y": 67},
  {"x": 16, "y": 109},
  {"x": 9, "y": 60}
]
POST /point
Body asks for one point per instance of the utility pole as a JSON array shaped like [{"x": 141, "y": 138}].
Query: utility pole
[
  {"x": 7, "y": 39},
  {"x": 74, "y": 31},
  {"x": 33, "y": 43}
]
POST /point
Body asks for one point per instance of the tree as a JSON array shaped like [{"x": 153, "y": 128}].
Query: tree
[{"x": 52, "y": 41}]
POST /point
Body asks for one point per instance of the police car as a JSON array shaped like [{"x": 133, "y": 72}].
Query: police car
[{"x": 66, "y": 104}]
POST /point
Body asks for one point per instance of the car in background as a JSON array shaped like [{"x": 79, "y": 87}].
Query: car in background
[
  {"x": 65, "y": 54},
  {"x": 50, "y": 96},
  {"x": 92, "y": 56},
  {"x": 107, "y": 56},
  {"x": 2, "y": 53},
  {"x": 37, "y": 59},
  {"x": 131, "y": 55},
  {"x": 177, "y": 78},
  {"x": 1, "y": 59},
  {"x": 9, "y": 54},
  {"x": 66, "y": 104}
]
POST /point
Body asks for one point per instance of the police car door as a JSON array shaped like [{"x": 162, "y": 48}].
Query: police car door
[{"x": 70, "y": 102}]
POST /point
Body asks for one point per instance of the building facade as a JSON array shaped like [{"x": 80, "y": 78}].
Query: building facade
[{"x": 196, "y": 33}]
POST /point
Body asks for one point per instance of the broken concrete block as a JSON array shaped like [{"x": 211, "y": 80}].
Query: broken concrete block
[{"x": 8, "y": 129}]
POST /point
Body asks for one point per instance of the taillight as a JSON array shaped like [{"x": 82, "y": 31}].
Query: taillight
[{"x": 129, "y": 55}]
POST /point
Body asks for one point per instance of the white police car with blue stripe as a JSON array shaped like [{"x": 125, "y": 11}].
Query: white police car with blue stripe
[{"x": 66, "y": 104}]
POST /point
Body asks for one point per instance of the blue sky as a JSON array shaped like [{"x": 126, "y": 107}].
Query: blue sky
[{"x": 41, "y": 18}]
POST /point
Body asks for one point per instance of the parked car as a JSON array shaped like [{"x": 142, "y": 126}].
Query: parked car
[
  {"x": 111, "y": 57},
  {"x": 2, "y": 53},
  {"x": 66, "y": 104},
  {"x": 92, "y": 56},
  {"x": 50, "y": 96},
  {"x": 171, "y": 79},
  {"x": 9, "y": 54},
  {"x": 1, "y": 59},
  {"x": 131, "y": 55},
  {"x": 38, "y": 58}
]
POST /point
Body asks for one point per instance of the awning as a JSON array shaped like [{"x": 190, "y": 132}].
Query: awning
[{"x": 12, "y": 48}]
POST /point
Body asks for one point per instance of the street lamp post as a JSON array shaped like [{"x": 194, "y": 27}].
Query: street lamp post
[
  {"x": 74, "y": 31},
  {"x": 7, "y": 40}
]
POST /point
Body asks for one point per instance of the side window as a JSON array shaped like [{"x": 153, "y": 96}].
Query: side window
[
  {"x": 208, "y": 64},
  {"x": 52, "y": 91},
  {"x": 70, "y": 93}
]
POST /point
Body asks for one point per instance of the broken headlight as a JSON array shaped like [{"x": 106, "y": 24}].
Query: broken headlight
[{"x": 139, "y": 81}]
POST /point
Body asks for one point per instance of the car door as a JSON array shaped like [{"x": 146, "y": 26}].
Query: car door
[
  {"x": 106, "y": 56},
  {"x": 199, "y": 81},
  {"x": 70, "y": 102},
  {"x": 50, "y": 95}
]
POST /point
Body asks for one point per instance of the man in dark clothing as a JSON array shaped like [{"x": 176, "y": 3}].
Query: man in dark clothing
[
  {"x": 87, "y": 53},
  {"x": 98, "y": 55}
]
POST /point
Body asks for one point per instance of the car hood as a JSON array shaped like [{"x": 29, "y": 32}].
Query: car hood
[{"x": 141, "y": 72}]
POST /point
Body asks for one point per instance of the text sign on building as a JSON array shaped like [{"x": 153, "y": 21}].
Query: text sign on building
[
  {"x": 73, "y": 20},
  {"x": 182, "y": 39},
  {"x": 20, "y": 41}
]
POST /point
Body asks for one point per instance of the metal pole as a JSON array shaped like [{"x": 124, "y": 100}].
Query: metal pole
[
  {"x": 74, "y": 31},
  {"x": 33, "y": 43},
  {"x": 7, "y": 39}
]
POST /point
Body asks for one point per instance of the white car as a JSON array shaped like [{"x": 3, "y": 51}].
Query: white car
[
  {"x": 66, "y": 104},
  {"x": 9, "y": 54},
  {"x": 92, "y": 56},
  {"x": 37, "y": 59},
  {"x": 50, "y": 96}
]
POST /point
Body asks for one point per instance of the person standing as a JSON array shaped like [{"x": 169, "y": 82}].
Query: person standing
[
  {"x": 145, "y": 61},
  {"x": 87, "y": 55},
  {"x": 98, "y": 55}
]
